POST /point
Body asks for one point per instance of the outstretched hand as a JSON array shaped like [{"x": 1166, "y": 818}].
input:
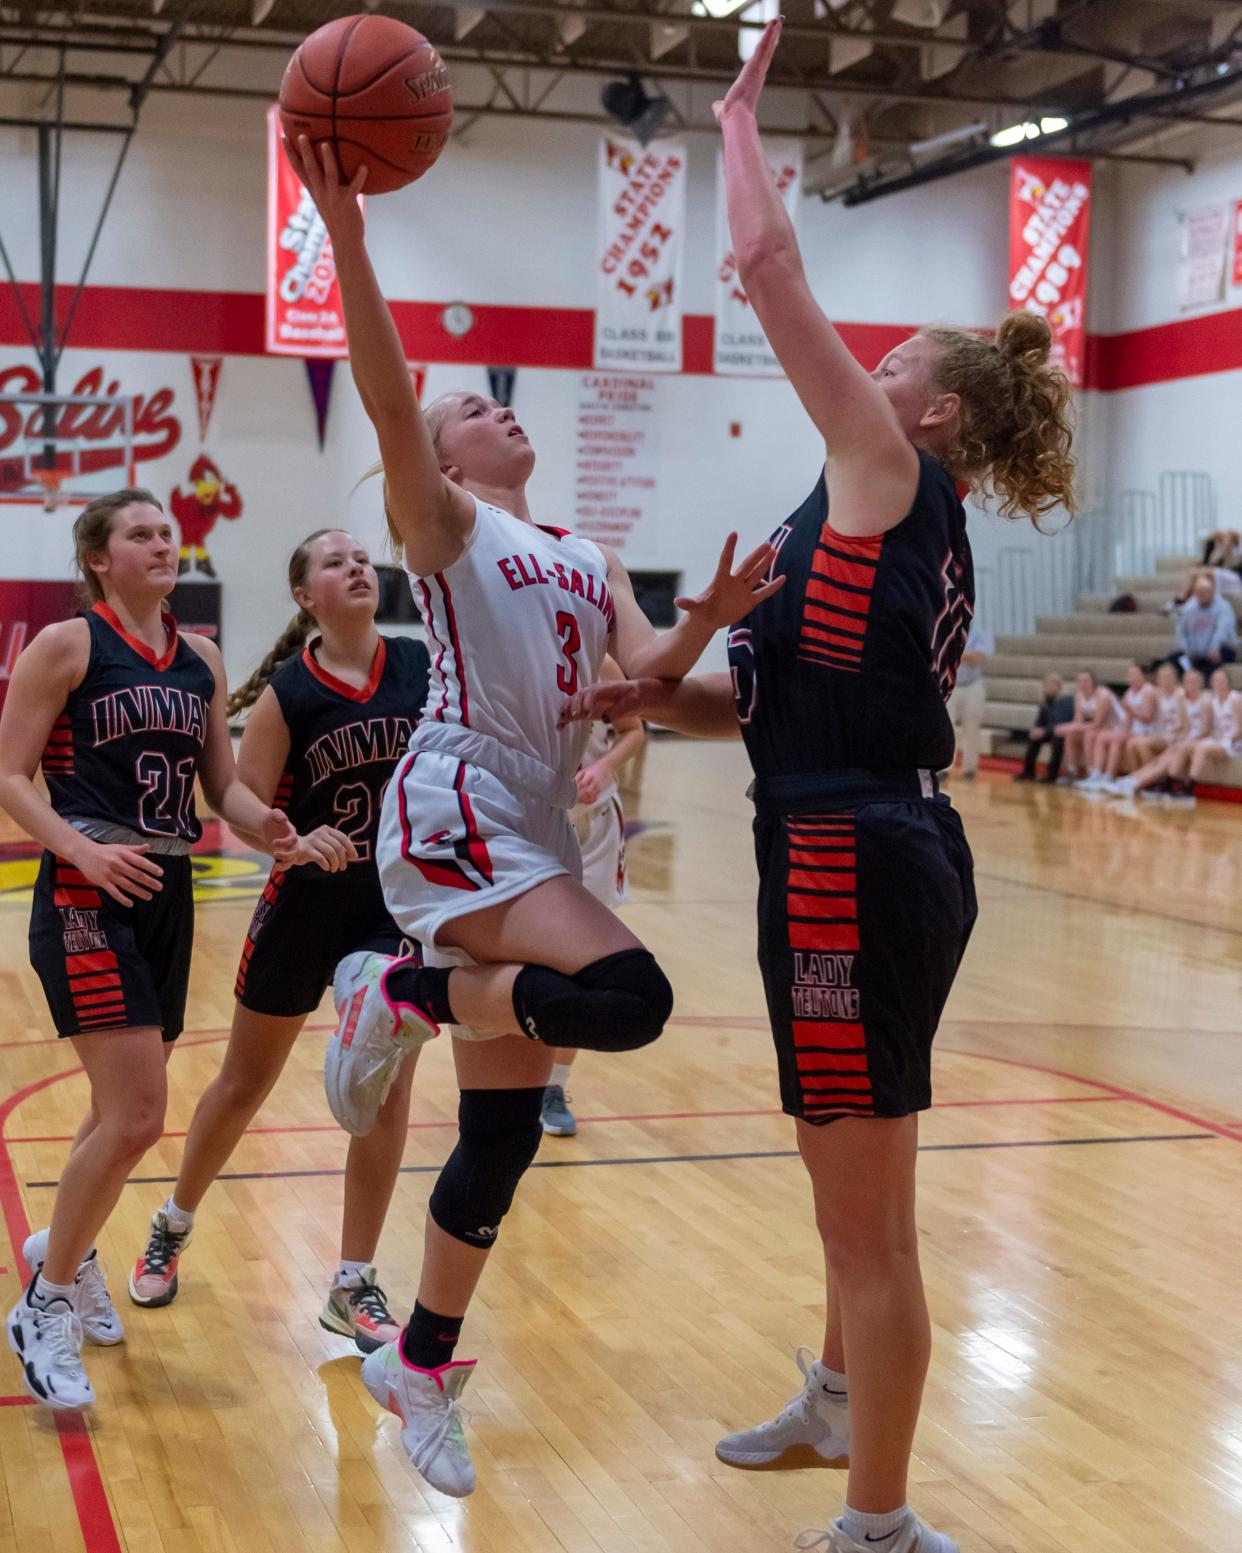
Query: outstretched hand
[
  {"x": 732, "y": 594},
  {"x": 337, "y": 202},
  {"x": 744, "y": 93},
  {"x": 279, "y": 837},
  {"x": 612, "y": 698}
]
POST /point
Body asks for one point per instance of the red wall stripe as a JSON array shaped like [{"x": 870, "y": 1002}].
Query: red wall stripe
[{"x": 230, "y": 323}]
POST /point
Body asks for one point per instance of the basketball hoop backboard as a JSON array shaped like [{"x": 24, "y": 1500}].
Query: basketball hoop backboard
[{"x": 65, "y": 449}]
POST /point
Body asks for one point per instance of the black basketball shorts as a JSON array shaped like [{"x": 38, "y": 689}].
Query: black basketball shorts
[
  {"x": 864, "y": 915},
  {"x": 105, "y": 966},
  {"x": 301, "y": 929}
]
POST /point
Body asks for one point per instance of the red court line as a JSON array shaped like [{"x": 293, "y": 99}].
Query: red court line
[
  {"x": 1111, "y": 1091},
  {"x": 638, "y": 1116},
  {"x": 85, "y": 1481},
  {"x": 16, "y": 1401}
]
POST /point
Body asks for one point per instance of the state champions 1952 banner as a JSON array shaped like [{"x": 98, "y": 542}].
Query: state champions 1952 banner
[
  {"x": 741, "y": 347},
  {"x": 1049, "y": 213},
  {"x": 642, "y": 223},
  {"x": 303, "y": 314}
]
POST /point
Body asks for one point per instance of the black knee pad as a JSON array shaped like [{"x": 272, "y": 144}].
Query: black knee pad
[
  {"x": 498, "y": 1136},
  {"x": 616, "y": 1004}
]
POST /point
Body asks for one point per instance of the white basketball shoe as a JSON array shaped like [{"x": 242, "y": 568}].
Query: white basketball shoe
[
  {"x": 48, "y": 1342},
  {"x": 427, "y": 1403},
  {"x": 372, "y": 1039},
  {"x": 913, "y": 1536},
  {"x": 813, "y": 1431},
  {"x": 92, "y": 1302}
]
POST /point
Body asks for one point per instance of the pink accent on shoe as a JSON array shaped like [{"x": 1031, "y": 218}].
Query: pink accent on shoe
[
  {"x": 398, "y": 1009},
  {"x": 440, "y": 1370},
  {"x": 351, "y": 1019}
]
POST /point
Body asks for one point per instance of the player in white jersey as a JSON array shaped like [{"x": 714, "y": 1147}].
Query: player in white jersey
[
  {"x": 1221, "y": 740},
  {"x": 599, "y": 824},
  {"x": 1114, "y": 746},
  {"x": 1188, "y": 718},
  {"x": 476, "y": 853},
  {"x": 1144, "y": 749}
]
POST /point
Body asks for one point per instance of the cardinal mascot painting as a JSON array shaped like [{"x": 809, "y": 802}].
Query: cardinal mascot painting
[{"x": 210, "y": 496}]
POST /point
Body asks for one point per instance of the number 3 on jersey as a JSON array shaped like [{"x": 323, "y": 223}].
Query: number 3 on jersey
[{"x": 571, "y": 641}]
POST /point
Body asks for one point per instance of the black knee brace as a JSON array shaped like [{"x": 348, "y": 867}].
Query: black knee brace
[
  {"x": 617, "y": 1004},
  {"x": 498, "y": 1136}
]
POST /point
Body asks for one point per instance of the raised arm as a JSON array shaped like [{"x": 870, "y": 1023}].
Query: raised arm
[
  {"x": 872, "y": 468},
  {"x": 432, "y": 516}
]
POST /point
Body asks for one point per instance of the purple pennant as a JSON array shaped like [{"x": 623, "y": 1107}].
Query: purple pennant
[{"x": 319, "y": 373}]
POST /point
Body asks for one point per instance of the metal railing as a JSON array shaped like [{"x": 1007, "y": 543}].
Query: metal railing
[{"x": 1090, "y": 554}]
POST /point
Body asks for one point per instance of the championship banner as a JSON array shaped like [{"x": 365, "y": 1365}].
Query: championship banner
[
  {"x": 741, "y": 347},
  {"x": 303, "y": 314},
  {"x": 1049, "y": 213},
  {"x": 642, "y": 223}
]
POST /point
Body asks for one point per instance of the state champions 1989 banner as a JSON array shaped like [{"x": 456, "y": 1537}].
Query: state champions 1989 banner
[
  {"x": 1049, "y": 215},
  {"x": 642, "y": 224},
  {"x": 302, "y": 313}
]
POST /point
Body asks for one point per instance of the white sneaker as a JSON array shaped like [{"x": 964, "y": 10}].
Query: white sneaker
[
  {"x": 92, "y": 1302},
  {"x": 372, "y": 1039},
  {"x": 813, "y": 1431},
  {"x": 1122, "y": 787},
  {"x": 48, "y": 1341},
  {"x": 914, "y": 1537},
  {"x": 426, "y": 1402}
]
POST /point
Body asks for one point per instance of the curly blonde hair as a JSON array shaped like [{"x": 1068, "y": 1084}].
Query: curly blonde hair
[{"x": 1015, "y": 432}]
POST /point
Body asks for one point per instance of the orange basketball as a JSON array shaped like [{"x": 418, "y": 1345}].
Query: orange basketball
[{"x": 375, "y": 89}]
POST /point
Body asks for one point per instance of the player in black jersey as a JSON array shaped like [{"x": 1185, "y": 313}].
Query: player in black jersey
[
  {"x": 866, "y": 900},
  {"x": 123, "y": 713},
  {"x": 332, "y": 716}
]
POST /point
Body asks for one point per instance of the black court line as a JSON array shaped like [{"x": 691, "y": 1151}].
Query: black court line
[
  {"x": 1095, "y": 900},
  {"x": 683, "y": 1159}
]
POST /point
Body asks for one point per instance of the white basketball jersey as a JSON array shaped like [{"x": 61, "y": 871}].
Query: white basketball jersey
[
  {"x": 600, "y": 740},
  {"x": 1198, "y": 717},
  {"x": 1133, "y": 701},
  {"x": 518, "y": 622},
  {"x": 1169, "y": 718},
  {"x": 1225, "y": 719}
]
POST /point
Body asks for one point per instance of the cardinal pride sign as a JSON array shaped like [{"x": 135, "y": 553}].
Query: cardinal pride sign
[{"x": 1049, "y": 212}]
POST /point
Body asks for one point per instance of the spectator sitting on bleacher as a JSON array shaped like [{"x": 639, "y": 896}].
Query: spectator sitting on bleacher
[
  {"x": 1223, "y": 548},
  {"x": 1096, "y": 709},
  {"x": 1139, "y": 706},
  {"x": 970, "y": 695},
  {"x": 1228, "y": 586},
  {"x": 1207, "y": 630},
  {"x": 1056, "y": 707},
  {"x": 1184, "y": 716},
  {"x": 1223, "y": 741}
]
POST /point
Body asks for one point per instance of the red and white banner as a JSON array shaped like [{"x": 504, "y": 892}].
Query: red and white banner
[
  {"x": 303, "y": 315},
  {"x": 1049, "y": 213},
  {"x": 642, "y": 223},
  {"x": 741, "y": 347},
  {"x": 206, "y": 370}
]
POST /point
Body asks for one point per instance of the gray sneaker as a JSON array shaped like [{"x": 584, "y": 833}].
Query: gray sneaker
[
  {"x": 556, "y": 1117},
  {"x": 813, "y": 1431}
]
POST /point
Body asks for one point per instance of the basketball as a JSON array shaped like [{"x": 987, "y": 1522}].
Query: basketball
[{"x": 377, "y": 91}]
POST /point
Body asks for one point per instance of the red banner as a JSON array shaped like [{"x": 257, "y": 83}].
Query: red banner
[
  {"x": 1236, "y": 275},
  {"x": 303, "y": 314},
  {"x": 1049, "y": 212}
]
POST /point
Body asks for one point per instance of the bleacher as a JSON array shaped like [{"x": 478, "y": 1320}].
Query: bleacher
[{"x": 1089, "y": 638}]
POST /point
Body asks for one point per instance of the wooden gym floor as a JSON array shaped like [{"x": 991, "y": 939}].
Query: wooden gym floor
[{"x": 1080, "y": 1192}]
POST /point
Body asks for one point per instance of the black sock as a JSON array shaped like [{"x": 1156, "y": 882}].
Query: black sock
[
  {"x": 429, "y": 1340},
  {"x": 426, "y": 986}
]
